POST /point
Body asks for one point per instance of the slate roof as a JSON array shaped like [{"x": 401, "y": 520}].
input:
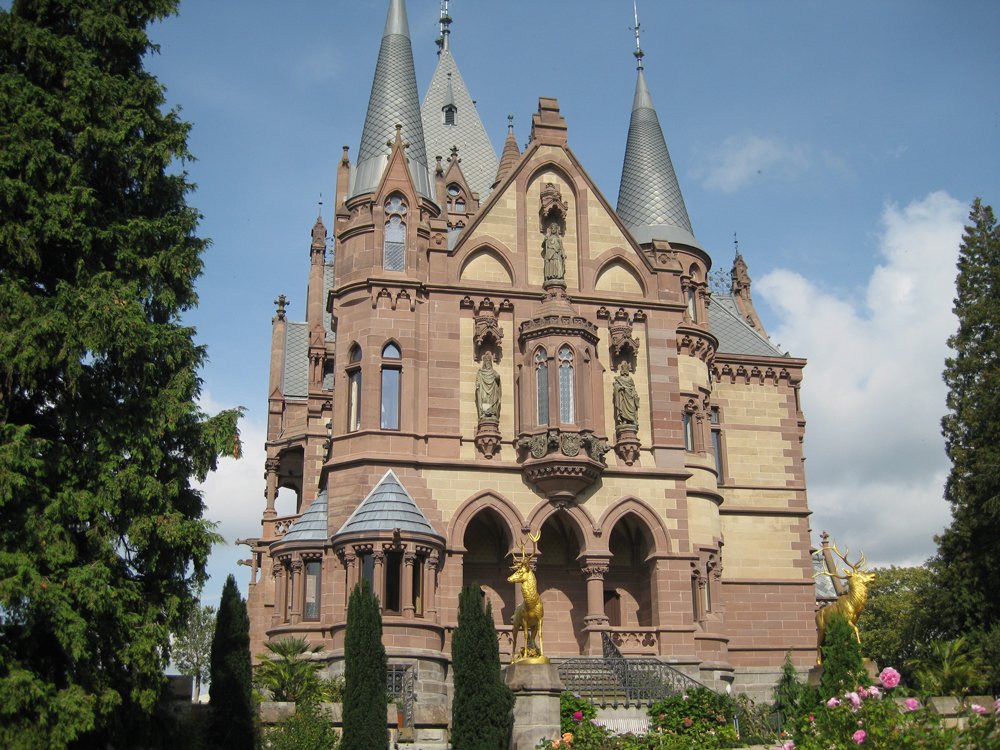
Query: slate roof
[
  {"x": 311, "y": 525},
  {"x": 387, "y": 507},
  {"x": 393, "y": 100},
  {"x": 649, "y": 198},
  {"x": 295, "y": 380},
  {"x": 479, "y": 160},
  {"x": 735, "y": 335},
  {"x": 824, "y": 584},
  {"x": 327, "y": 286}
]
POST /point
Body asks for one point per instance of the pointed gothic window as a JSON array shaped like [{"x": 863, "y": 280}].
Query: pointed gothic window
[
  {"x": 688, "y": 425},
  {"x": 391, "y": 382},
  {"x": 567, "y": 406},
  {"x": 542, "y": 386},
  {"x": 394, "y": 241}
]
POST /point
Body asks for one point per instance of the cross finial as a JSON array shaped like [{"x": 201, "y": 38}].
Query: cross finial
[
  {"x": 454, "y": 155},
  {"x": 736, "y": 243},
  {"x": 639, "y": 54},
  {"x": 445, "y": 23},
  {"x": 281, "y": 302}
]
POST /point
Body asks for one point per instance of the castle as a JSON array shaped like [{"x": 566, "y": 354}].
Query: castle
[{"x": 491, "y": 348}]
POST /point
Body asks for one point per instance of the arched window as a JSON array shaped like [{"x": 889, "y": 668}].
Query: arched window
[
  {"x": 567, "y": 406},
  {"x": 449, "y": 114},
  {"x": 542, "y": 386},
  {"x": 687, "y": 423},
  {"x": 354, "y": 389},
  {"x": 692, "y": 304},
  {"x": 394, "y": 242},
  {"x": 391, "y": 382}
]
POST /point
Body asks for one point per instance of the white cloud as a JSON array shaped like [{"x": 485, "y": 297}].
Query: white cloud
[
  {"x": 872, "y": 391},
  {"x": 234, "y": 498},
  {"x": 741, "y": 159}
]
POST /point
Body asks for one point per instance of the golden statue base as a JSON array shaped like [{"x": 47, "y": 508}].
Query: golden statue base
[{"x": 529, "y": 656}]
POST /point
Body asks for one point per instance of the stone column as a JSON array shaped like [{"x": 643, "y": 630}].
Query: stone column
[
  {"x": 594, "y": 569},
  {"x": 279, "y": 593},
  {"x": 406, "y": 590},
  {"x": 271, "y": 487},
  {"x": 430, "y": 586},
  {"x": 378, "y": 558},
  {"x": 295, "y": 582}
]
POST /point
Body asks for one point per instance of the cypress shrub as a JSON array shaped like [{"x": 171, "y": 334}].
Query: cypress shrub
[
  {"x": 231, "y": 723},
  {"x": 365, "y": 668},
  {"x": 843, "y": 667},
  {"x": 481, "y": 708}
]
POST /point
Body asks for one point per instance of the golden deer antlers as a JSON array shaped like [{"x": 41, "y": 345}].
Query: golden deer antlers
[
  {"x": 855, "y": 567},
  {"x": 525, "y": 557}
]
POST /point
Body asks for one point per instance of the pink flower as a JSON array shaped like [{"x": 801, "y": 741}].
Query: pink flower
[
  {"x": 996, "y": 707},
  {"x": 889, "y": 677},
  {"x": 912, "y": 704},
  {"x": 874, "y": 692},
  {"x": 788, "y": 745},
  {"x": 859, "y": 736},
  {"x": 978, "y": 709},
  {"x": 855, "y": 700},
  {"x": 833, "y": 703},
  {"x": 578, "y": 716},
  {"x": 863, "y": 692}
]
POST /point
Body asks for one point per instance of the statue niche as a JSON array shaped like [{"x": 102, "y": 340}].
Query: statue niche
[
  {"x": 552, "y": 224},
  {"x": 625, "y": 399},
  {"x": 489, "y": 390}
]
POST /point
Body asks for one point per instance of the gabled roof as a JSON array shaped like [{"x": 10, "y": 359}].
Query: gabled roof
[
  {"x": 649, "y": 197},
  {"x": 393, "y": 100},
  {"x": 388, "y": 507},
  {"x": 735, "y": 335},
  {"x": 479, "y": 160},
  {"x": 311, "y": 526}
]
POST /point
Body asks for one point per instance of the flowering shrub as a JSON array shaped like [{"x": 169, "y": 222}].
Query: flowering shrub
[
  {"x": 873, "y": 719},
  {"x": 701, "y": 716}
]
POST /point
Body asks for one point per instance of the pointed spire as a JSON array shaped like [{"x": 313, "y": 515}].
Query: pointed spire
[
  {"x": 450, "y": 117},
  {"x": 511, "y": 153},
  {"x": 639, "y": 54},
  {"x": 649, "y": 198},
  {"x": 393, "y": 100}
]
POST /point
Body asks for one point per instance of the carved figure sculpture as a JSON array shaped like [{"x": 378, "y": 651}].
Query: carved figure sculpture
[
  {"x": 529, "y": 614},
  {"x": 625, "y": 397},
  {"x": 488, "y": 389},
  {"x": 555, "y": 258},
  {"x": 850, "y": 604}
]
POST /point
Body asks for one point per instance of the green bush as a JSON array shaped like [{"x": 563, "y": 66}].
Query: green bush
[
  {"x": 843, "y": 666},
  {"x": 306, "y": 729},
  {"x": 365, "y": 666},
  {"x": 700, "y": 718}
]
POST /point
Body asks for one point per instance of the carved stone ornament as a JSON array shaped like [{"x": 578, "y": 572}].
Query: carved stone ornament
[
  {"x": 488, "y": 331},
  {"x": 488, "y": 439},
  {"x": 552, "y": 208},
  {"x": 562, "y": 464},
  {"x": 627, "y": 444},
  {"x": 623, "y": 345}
]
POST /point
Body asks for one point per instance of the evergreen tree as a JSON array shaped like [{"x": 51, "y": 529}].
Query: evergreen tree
[
  {"x": 102, "y": 542},
  {"x": 231, "y": 723},
  {"x": 968, "y": 548},
  {"x": 788, "y": 691},
  {"x": 843, "y": 667},
  {"x": 192, "y": 646},
  {"x": 365, "y": 668},
  {"x": 480, "y": 709}
]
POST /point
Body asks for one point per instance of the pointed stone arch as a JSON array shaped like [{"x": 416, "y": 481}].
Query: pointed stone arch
[
  {"x": 487, "y": 499},
  {"x": 631, "y": 505},
  {"x": 582, "y": 525},
  {"x": 486, "y": 262},
  {"x": 617, "y": 274}
]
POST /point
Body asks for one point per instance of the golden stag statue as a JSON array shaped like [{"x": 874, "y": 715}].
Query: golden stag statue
[
  {"x": 528, "y": 615},
  {"x": 850, "y": 604}
]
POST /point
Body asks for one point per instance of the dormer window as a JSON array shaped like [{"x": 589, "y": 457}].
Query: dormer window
[
  {"x": 394, "y": 241},
  {"x": 450, "y": 111}
]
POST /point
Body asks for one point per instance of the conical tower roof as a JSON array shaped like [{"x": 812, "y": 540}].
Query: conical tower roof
[
  {"x": 386, "y": 508},
  {"x": 447, "y": 88},
  {"x": 649, "y": 198},
  {"x": 394, "y": 100},
  {"x": 311, "y": 526},
  {"x": 511, "y": 153}
]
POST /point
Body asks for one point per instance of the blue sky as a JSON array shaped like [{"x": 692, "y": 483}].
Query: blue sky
[{"x": 842, "y": 142}]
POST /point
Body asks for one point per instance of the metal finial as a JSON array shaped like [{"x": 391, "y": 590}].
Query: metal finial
[
  {"x": 639, "y": 54},
  {"x": 445, "y": 23},
  {"x": 321, "y": 202},
  {"x": 736, "y": 244},
  {"x": 510, "y": 123}
]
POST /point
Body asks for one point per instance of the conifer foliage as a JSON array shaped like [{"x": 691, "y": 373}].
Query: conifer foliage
[
  {"x": 231, "y": 724},
  {"x": 102, "y": 542},
  {"x": 968, "y": 548},
  {"x": 480, "y": 712},
  {"x": 365, "y": 667},
  {"x": 843, "y": 666}
]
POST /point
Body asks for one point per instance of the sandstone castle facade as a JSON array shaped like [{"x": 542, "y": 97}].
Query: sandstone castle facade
[{"x": 491, "y": 348}]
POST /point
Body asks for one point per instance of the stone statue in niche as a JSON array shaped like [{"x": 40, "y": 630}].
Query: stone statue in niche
[
  {"x": 625, "y": 398},
  {"x": 488, "y": 391},
  {"x": 555, "y": 257}
]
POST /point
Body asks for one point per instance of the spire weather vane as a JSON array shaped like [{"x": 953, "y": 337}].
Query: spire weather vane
[{"x": 639, "y": 54}]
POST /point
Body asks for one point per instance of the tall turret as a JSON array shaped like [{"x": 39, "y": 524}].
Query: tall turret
[
  {"x": 450, "y": 118},
  {"x": 649, "y": 198},
  {"x": 394, "y": 101}
]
